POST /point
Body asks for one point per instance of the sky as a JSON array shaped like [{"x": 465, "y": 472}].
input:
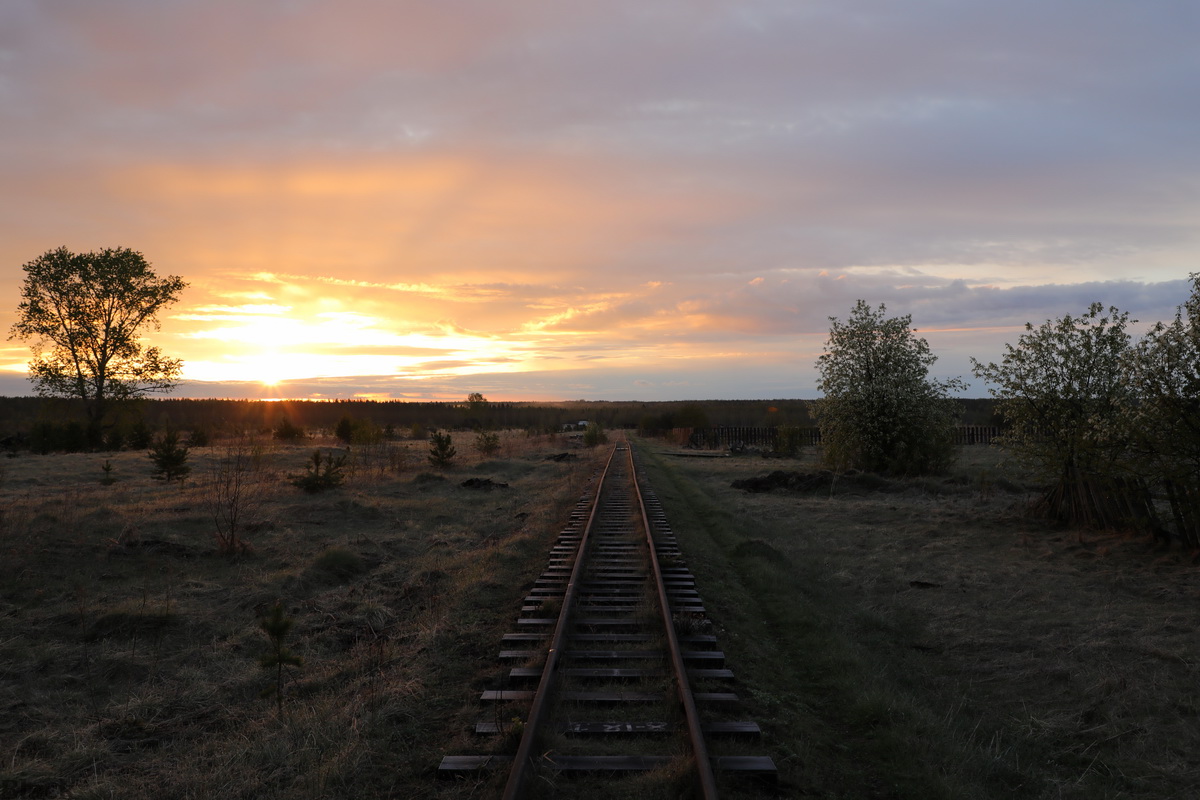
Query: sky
[{"x": 618, "y": 200}]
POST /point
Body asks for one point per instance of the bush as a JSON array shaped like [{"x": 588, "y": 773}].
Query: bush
[
  {"x": 788, "y": 440},
  {"x": 594, "y": 435},
  {"x": 344, "y": 429},
  {"x": 285, "y": 431},
  {"x": 234, "y": 497},
  {"x": 321, "y": 473},
  {"x": 114, "y": 440},
  {"x": 487, "y": 442},
  {"x": 338, "y": 564},
  {"x": 141, "y": 435}
]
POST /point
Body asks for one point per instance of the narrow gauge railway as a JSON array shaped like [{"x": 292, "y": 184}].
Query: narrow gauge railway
[{"x": 613, "y": 668}]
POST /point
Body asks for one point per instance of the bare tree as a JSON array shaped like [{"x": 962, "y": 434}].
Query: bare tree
[{"x": 235, "y": 495}]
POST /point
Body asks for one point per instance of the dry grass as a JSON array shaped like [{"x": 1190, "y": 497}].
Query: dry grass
[
  {"x": 128, "y": 647},
  {"x": 926, "y": 639},
  {"x": 896, "y": 639}
]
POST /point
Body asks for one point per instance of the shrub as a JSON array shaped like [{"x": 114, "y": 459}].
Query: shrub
[
  {"x": 141, "y": 435},
  {"x": 441, "y": 449},
  {"x": 788, "y": 440},
  {"x": 487, "y": 442},
  {"x": 321, "y": 473},
  {"x": 338, "y": 564},
  {"x": 234, "y": 496},
  {"x": 344, "y": 429},
  {"x": 114, "y": 440},
  {"x": 594, "y": 435},
  {"x": 285, "y": 431},
  {"x": 169, "y": 457},
  {"x": 198, "y": 438}
]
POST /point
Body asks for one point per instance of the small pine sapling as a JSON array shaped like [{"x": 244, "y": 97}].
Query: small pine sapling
[
  {"x": 276, "y": 627},
  {"x": 321, "y": 473},
  {"x": 487, "y": 442},
  {"x": 441, "y": 449},
  {"x": 108, "y": 479},
  {"x": 169, "y": 457},
  {"x": 285, "y": 431}
]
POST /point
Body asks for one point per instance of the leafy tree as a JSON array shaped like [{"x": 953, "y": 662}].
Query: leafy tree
[
  {"x": 83, "y": 315},
  {"x": 441, "y": 449},
  {"x": 476, "y": 401},
  {"x": 1164, "y": 419},
  {"x": 1061, "y": 391},
  {"x": 169, "y": 457},
  {"x": 881, "y": 411}
]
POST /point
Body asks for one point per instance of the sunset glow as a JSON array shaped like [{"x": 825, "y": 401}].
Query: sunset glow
[{"x": 542, "y": 201}]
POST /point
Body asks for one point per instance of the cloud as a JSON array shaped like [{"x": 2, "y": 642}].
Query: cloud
[{"x": 653, "y": 180}]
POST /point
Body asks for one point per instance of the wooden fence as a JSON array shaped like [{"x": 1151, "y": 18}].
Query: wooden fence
[{"x": 726, "y": 436}]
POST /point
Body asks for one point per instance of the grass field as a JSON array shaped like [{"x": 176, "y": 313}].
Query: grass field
[
  {"x": 896, "y": 639},
  {"x": 924, "y": 639}
]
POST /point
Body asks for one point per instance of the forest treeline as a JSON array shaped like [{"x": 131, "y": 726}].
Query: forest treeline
[{"x": 25, "y": 419}]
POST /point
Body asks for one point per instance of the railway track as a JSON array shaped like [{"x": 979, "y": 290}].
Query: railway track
[{"x": 612, "y": 666}]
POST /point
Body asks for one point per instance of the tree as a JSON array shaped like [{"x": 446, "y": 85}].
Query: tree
[
  {"x": 1164, "y": 418},
  {"x": 169, "y": 457},
  {"x": 881, "y": 411},
  {"x": 83, "y": 315},
  {"x": 276, "y": 627},
  {"x": 1062, "y": 391},
  {"x": 441, "y": 449},
  {"x": 234, "y": 497}
]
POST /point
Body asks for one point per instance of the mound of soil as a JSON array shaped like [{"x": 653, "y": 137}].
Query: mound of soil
[
  {"x": 792, "y": 481},
  {"x": 820, "y": 481},
  {"x": 482, "y": 483}
]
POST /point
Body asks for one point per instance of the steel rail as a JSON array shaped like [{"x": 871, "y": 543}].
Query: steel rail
[
  {"x": 704, "y": 772},
  {"x": 522, "y": 761}
]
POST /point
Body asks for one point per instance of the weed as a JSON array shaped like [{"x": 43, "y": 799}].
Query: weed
[{"x": 339, "y": 564}]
